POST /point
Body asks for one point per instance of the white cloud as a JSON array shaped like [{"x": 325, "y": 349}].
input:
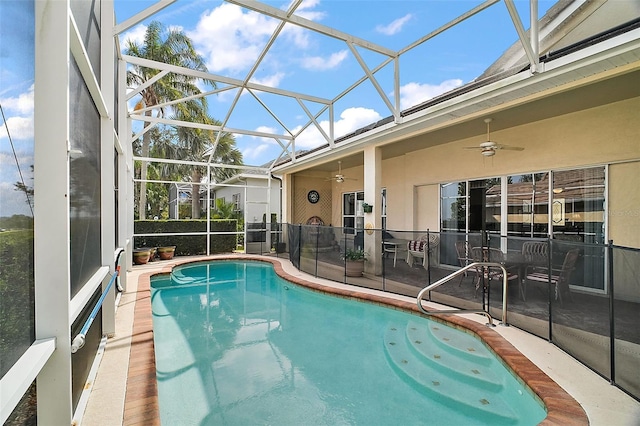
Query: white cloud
[
  {"x": 19, "y": 113},
  {"x": 412, "y": 94},
  {"x": 22, "y": 104},
  {"x": 254, "y": 152},
  {"x": 351, "y": 119},
  {"x": 395, "y": 26},
  {"x": 136, "y": 35},
  {"x": 19, "y": 127},
  {"x": 272, "y": 80},
  {"x": 298, "y": 35},
  {"x": 317, "y": 63},
  {"x": 230, "y": 39},
  {"x": 306, "y": 5},
  {"x": 13, "y": 202},
  {"x": 266, "y": 129}
]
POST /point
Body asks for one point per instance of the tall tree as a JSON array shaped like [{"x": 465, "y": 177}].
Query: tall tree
[
  {"x": 197, "y": 145},
  {"x": 169, "y": 47}
]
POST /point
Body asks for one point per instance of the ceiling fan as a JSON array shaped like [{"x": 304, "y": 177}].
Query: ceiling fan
[
  {"x": 488, "y": 148},
  {"x": 339, "y": 177}
]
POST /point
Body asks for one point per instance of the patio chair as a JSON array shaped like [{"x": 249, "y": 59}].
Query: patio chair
[
  {"x": 535, "y": 254},
  {"x": 463, "y": 250},
  {"x": 417, "y": 248},
  {"x": 391, "y": 246},
  {"x": 490, "y": 254},
  {"x": 559, "y": 278}
]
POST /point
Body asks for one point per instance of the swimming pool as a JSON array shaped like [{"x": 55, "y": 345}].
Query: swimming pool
[{"x": 236, "y": 344}]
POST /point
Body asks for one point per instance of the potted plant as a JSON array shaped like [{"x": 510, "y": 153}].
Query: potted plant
[
  {"x": 354, "y": 262},
  {"x": 141, "y": 256},
  {"x": 166, "y": 253},
  {"x": 367, "y": 208}
]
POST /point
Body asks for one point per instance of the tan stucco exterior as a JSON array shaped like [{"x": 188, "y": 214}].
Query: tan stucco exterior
[
  {"x": 623, "y": 212},
  {"x": 607, "y": 135}
]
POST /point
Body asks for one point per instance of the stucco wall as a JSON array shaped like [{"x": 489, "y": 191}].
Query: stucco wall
[
  {"x": 302, "y": 208},
  {"x": 623, "y": 206},
  {"x": 608, "y": 134},
  {"x": 597, "y": 136}
]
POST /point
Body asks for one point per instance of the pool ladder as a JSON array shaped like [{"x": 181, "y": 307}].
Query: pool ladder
[{"x": 457, "y": 273}]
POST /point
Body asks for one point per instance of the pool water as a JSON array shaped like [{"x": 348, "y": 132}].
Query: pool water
[{"x": 237, "y": 345}]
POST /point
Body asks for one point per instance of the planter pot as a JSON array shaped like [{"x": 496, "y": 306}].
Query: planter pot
[
  {"x": 354, "y": 268},
  {"x": 166, "y": 253},
  {"x": 140, "y": 257}
]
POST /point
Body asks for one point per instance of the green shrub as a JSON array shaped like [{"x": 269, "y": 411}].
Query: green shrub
[
  {"x": 186, "y": 245},
  {"x": 16, "y": 295}
]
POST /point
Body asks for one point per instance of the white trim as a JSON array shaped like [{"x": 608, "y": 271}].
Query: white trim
[
  {"x": 222, "y": 79},
  {"x": 86, "y": 70},
  {"x": 17, "y": 380},
  {"x": 88, "y": 387},
  {"x": 296, "y": 20},
  {"x": 141, "y": 16},
  {"x": 81, "y": 299},
  {"x": 51, "y": 180}
]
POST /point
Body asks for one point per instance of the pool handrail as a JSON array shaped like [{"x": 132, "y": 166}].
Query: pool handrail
[{"x": 461, "y": 271}]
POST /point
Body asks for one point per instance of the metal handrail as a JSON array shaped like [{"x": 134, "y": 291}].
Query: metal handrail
[{"x": 468, "y": 311}]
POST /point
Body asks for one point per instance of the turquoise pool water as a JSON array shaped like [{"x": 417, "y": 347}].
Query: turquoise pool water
[{"x": 237, "y": 345}]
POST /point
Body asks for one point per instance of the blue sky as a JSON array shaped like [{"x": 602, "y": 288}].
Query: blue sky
[
  {"x": 231, "y": 38},
  {"x": 16, "y": 98},
  {"x": 301, "y": 61}
]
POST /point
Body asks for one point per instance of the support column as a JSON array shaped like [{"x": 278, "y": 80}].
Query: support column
[
  {"x": 107, "y": 164},
  {"x": 372, "y": 191},
  {"x": 128, "y": 199},
  {"x": 51, "y": 183}
]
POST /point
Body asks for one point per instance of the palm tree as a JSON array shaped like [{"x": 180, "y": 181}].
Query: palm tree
[
  {"x": 170, "y": 47},
  {"x": 196, "y": 144}
]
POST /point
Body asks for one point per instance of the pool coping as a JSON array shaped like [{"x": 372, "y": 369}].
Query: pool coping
[{"x": 141, "y": 398}]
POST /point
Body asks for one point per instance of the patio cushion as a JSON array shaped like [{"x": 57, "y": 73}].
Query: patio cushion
[{"x": 416, "y": 245}]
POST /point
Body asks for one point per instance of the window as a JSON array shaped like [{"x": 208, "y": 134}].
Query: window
[
  {"x": 578, "y": 205},
  {"x": 235, "y": 199},
  {"x": 352, "y": 212},
  {"x": 485, "y": 205},
  {"x": 383, "y": 203},
  {"x": 528, "y": 205},
  {"x": 453, "y": 206}
]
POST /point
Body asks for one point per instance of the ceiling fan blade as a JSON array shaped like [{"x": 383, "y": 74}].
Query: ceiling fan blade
[{"x": 509, "y": 147}]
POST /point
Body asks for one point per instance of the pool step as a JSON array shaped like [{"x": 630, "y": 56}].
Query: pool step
[
  {"x": 462, "y": 345},
  {"x": 452, "y": 388},
  {"x": 461, "y": 355}
]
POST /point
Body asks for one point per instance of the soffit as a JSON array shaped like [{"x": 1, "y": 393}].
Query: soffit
[{"x": 601, "y": 93}]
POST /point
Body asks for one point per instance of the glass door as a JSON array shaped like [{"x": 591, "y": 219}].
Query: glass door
[{"x": 485, "y": 203}]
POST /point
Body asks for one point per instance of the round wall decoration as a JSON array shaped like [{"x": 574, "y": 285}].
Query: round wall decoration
[{"x": 313, "y": 196}]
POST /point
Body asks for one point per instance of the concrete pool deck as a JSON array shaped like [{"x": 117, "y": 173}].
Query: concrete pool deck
[{"x": 123, "y": 391}]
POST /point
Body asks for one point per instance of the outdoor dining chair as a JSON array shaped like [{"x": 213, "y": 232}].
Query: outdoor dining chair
[
  {"x": 558, "y": 277},
  {"x": 463, "y": 251},
  {"x": 494, "y": 255}
]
